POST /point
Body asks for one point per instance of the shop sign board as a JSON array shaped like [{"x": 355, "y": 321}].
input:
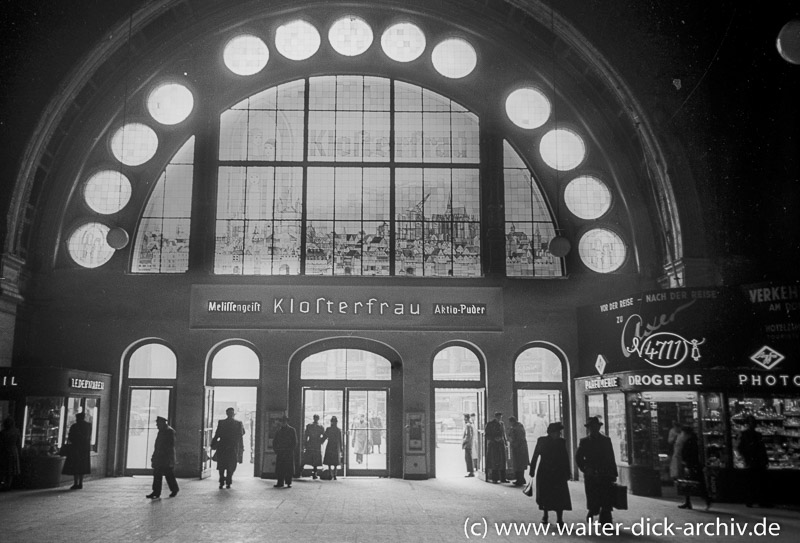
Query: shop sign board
[
  {"x": 712, "y": 379},
  {"x": 678, "y": 329},
  {"x": 351, "y": 308}
]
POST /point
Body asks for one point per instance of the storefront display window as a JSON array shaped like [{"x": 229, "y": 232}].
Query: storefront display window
[
  {"x": 713, "y": 430},
  {"x": 43, "y": 425},
  {"x": 641, "y": 444},
  {"x": 617, "y": 429},
  {"x": 91, "y": 407},
  {"x": 778, "y": 421}
]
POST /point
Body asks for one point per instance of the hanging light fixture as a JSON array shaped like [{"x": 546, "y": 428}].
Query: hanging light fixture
[{"x": 559, "y": 246}]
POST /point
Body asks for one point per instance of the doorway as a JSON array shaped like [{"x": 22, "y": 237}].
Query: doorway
[
  {"x": 536, "y": 409},
  {"x": 144, "y": 405},
  {"x": 450, "y": 405},
  {"x": 362, "y": 416},
  {"x": 244, "y": 402}
]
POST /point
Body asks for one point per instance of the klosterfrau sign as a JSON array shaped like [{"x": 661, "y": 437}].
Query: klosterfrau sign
[{"x": 340, "y": 308}]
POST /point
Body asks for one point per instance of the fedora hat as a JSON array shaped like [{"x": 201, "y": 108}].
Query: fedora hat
[{"x": 593, "y": 421}]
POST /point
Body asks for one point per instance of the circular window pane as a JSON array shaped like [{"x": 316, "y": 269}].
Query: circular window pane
[
  {"x": 601, "y": 250},
  {"x": 245, "y": 55},
  {"x": 454, "y": 58},
  {"x": 107, "y": 192},
  {"x": 88, "y": 246},
  {"x": 350, "y": 36},
  {"x": 528, "y": 108},
  {"x": 587, "y": 197},
  {"x": 403, "y": 42},
  {"x": 134, "y": 144},
  {"x": 170, "y": 103},
  {"x": 562, "y": 149},
  {"x": 297, "y": 40}
]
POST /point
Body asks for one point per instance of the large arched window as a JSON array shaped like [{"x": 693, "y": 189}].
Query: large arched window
[
  {"x": 346, "y": 364},
  {"x": 380, "y": 160},
  {"x": 456, "y": 364},
  {"x": 153, "y": 361},
  {"x": 235, "y": 362}
]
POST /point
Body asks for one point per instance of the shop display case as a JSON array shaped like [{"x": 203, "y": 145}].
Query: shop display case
[
  {"x": 43, "y": 425},
  {"x": 712, "y": 428},
  {"x": 778, "y": 421},
  {"x": 641, "y": 431}
]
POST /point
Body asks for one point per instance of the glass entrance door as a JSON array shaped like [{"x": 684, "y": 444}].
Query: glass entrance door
[
  {"x": 450, "y": 406},
  {"x": 362, "y": 416},
  {"x": 144, "y": 406},
  {"x": 536, "y": 409},
  {"x": 243, "y": 401}
]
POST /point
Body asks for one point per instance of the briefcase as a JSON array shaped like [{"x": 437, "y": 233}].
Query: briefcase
[
  {"x": 620, "y": 496},
  {"x": 687, "y": 487}
]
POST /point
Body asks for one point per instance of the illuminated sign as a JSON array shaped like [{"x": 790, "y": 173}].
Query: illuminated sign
[
  {"x": 87, "y": 384},
  {"x": 8, "y": 381},
  {"x": 367, "y": 307},
  {"x": 605, "y": 382}
]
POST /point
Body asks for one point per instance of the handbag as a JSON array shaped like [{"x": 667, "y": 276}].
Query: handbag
[
  {"x": 528, "y": 488},
  {"x": 326, "y": 475},
  {"x": 620, "y": 496},
  {"x": 64, "y": 450}
]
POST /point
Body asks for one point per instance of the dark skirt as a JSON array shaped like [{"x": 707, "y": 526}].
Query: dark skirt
[{"x": 552, "y": 492}]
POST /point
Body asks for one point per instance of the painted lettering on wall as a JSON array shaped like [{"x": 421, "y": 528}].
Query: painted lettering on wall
[
  {"x": 219, "y": 306},
  {"x": 459, "y": 309},
  {"x": 327, "y": 306}
]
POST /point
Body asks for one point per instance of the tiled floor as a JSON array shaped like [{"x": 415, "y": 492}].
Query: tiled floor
[{"x": 352, "y": 510}]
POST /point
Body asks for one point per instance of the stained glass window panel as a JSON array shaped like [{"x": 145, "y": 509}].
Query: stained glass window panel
[
  {"x": 587, "y": 197},
  {"x": 162, "y": 240},
  {"x": 319, "y": 248}
]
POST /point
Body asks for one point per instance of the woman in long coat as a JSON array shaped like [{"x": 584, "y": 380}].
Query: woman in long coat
[
  {"x": 552, "y": 492},
  {"x": 9, "y": 454},
  {"x": 360, "y": 438},
  {"x": 333, "y": 449},
  {"x": 518, "y": 446},
  {"x": 78, "y": 463}
]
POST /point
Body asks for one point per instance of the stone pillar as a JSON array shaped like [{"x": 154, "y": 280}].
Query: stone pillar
[{"x": 11, "y": 268}]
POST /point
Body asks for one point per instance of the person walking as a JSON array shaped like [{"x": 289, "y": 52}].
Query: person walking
[
  {"x": 360, "y": 438},
  {"x": 376, "y": 433},
  {"x": 690, "y": 456},
  {"x": 552, "y": 473},
  {"x": 229, "y": 445},
  {"x": 677, "y": 441},
  {"x": 467, "y": 438},
  {"x": 476, "y": 443},
  {"x": 313, "y": 437},
  {"x": 163, "y": 460},
  {"x": 10, "y": 449},
  {"x": 78, "y": 462},
  {"x": 284, "y": 444},
  {"x": 333, "y": 449},
  {"x": 595, "y": 458},
  {"x": 754, "y": 453},
  {"x": 518, "y": 447},
  {"x": 495, "y": 434}
]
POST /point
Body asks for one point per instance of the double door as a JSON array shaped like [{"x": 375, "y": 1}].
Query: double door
[{"x": 362, "y": 418}]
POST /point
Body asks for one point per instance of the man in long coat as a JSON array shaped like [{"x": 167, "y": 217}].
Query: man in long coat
[
  {"x": 495, "y": 434},
  {"x": 163, "y": 460},
  {"x": 312, "y": 445},
  {"x": 284, "y": 443},
  {"x": 229, "y": 444},
  {"x": 518, "y": 446},
  {"x": 467, "y": 438},
  {"x": 595, "y": 458}
]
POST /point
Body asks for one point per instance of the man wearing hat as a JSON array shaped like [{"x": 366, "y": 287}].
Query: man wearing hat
[
  {"x": 495, "y": 433},
  {"x": 284, "y": 444},
  {"x": 595, "y": 458},
  {"x": 163, "y": 460}
]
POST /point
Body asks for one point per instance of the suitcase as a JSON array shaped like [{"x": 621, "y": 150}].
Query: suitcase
[
  {"x": 620, "y": 496},
  {"x": 688, "y": 487}
]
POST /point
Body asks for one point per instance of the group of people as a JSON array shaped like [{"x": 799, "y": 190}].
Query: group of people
[{"x": 314, "y": 436}]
